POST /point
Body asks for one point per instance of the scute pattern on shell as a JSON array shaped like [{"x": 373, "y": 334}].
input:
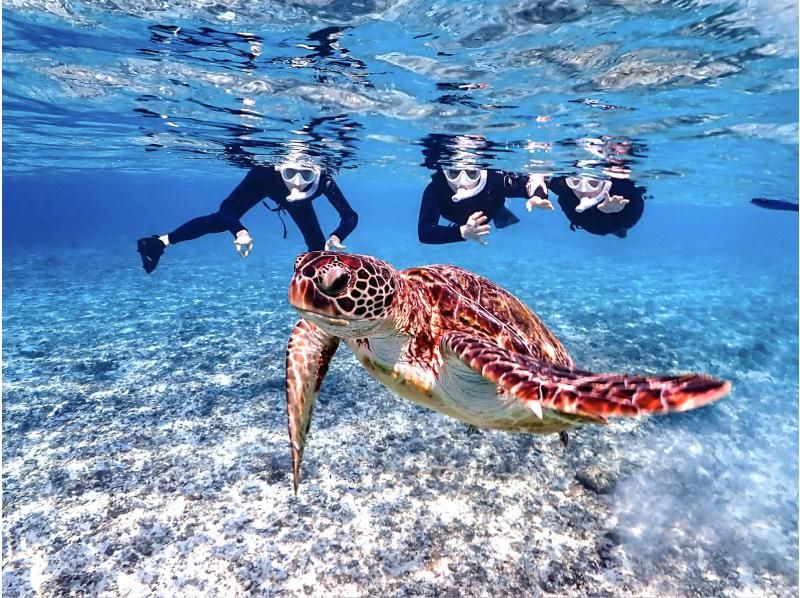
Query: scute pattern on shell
[{"x": 466, "y": 301}]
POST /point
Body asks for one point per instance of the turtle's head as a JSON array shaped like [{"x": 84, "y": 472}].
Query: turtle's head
[{"x": 346, "y": 295}]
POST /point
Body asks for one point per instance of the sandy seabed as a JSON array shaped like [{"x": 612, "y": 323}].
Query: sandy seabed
[{"x": 145, "y": 450}]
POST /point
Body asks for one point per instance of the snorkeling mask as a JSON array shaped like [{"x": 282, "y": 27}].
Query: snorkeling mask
[
  {"x": 589, "y": 191},
  {"x": 301, "y": 180},
  {"x": 466, "y": 182}
]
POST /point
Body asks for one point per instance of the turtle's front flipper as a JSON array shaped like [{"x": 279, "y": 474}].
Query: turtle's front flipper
[
  {"x": 307, "y": 357},
  {"x": 543, "y": 385}
]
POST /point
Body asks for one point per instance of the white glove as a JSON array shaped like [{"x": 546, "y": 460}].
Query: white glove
[
  {"x": 613, "y": 204},
  {"x": 476, "y": 228},
  {"x": 243, "y": 243},
  {"x": 538, "y": 202},
  {"x": 536, "y": 182},
  {"x": 334, "y": 244}
]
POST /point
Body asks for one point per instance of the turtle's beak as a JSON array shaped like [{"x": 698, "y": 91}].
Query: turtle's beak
[{"x": 321, "y": 319}]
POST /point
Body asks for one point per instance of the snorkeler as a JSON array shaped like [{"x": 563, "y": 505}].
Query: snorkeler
[
  {"x": 608, "y": 204},
  {"x": 600, "y": 206},
  {"x": 775, "y": 204},
  {"x": 470, "y": 198},
  {"x": 292, "y": 185}
]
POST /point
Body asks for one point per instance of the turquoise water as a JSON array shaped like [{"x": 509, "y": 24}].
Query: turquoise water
[{"x": 144, "y": 427}]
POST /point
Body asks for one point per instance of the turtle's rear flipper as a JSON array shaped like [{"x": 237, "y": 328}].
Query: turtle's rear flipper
[
  {"x": 543, "y": 385},
  {"x": 307, "y": 358}
]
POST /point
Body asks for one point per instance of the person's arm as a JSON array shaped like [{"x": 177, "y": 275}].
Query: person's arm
[
  {"x": 247, "y": 194},
  {"x": 529, "y": 186},
  {"x": 619, "y": 196},
  {"x": 348, "y": 218},
  {"x": 428, "y": 228},
  {"x": 516, "y": 185}
]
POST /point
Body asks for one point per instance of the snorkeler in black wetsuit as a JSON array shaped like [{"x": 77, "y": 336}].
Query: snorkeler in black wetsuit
[
  {"x": 470, "y": 198},
  {"x": 775, "y": 204},
  {"x": 599, "y": 206},
  {"x": 292, "y": 186}
]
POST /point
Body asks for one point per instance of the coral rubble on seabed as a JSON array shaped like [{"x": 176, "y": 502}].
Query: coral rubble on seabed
[{"x": 145, "y": 452}]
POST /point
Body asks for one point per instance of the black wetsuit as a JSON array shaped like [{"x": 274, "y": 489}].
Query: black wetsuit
[
  {"x": 437, "y": 202},
  {"x": 266, "y": 181},
  {"x": 595, "y": 221}
]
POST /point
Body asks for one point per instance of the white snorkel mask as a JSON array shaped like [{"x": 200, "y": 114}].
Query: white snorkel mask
[
  {"x": 466, "y": 182},
  {"x": 301, "y": 180},
  {"x": 589, "y": 191}
]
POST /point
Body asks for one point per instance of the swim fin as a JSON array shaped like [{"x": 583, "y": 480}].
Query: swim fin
[
  {"x": 151, "y": 250},
  {"x": 504, "y": 217}
]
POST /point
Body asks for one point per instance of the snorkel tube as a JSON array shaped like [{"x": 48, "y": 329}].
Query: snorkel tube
[
  {"x": 589, "y": 191},
  {"x": 464, "y": 185}
]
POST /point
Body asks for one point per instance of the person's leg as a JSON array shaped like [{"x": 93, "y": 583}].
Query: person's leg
[
  {"x": 233, "y": 207},
  {"x": 152, "y": 248},
  {"x": 196, "y": 228}
]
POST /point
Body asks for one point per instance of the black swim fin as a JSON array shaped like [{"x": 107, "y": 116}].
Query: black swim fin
[
  {"x": 504, "y": 217},
  {"x": 151, "y": 250}
]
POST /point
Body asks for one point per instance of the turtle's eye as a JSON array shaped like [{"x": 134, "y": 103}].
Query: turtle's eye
[
  {"x": 334, "y": 281},
  {"x": 302, "y": 259}
]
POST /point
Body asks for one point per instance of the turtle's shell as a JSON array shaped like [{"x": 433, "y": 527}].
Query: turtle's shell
[{"x": 469, "y": 302}]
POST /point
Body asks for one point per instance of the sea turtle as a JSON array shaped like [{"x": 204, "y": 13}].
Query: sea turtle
[{"x": 459, "y": 344}]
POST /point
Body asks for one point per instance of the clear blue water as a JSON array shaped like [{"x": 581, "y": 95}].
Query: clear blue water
[{"x": 144, "y": 432}]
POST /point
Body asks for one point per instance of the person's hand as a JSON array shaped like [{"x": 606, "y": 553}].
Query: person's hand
[
  {"x": 243, "y": 243},
  {"x": 613, "y": 204},
  {"x": 538, "y": 202},
  {"x": 536, "y": 182},
  {"x": 334, "y": 244},
  {"x": 476, "y": 228}
]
